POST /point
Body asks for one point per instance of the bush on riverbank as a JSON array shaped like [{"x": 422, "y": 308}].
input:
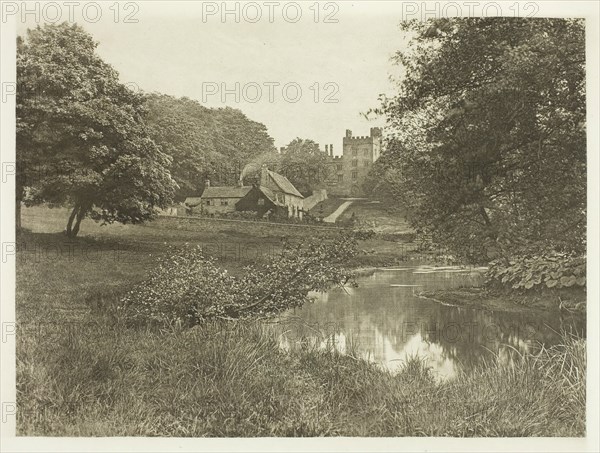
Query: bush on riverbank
[
  {"x": 549, "y": 270},
  {"x": 187, "y": 288}
]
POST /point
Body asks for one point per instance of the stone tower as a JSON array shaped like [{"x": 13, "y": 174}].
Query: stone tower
[{"x": 347, "y": 173}]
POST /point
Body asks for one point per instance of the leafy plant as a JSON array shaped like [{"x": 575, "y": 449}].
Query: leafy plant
[
  {"x": 187, "y": 288},
  {"x": 364, "y": 235},
  {"x": 553, "y": 270}
]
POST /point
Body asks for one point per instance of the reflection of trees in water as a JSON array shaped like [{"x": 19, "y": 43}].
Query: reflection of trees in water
[
  {"x": 497, "y": 332},
  {"x": 380, "y": 322}
]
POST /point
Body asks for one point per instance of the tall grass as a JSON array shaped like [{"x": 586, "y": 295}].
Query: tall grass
[{"x": 233, "y": 379}]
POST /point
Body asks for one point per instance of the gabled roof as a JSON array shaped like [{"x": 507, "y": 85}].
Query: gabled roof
[
  {"x": 270, "y": 195},
  {"x": 284, "y": 184},
  {"x": 226, "y": 192}
]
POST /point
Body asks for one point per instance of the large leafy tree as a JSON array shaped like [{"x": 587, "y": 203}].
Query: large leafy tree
[
  {"x": 81, "y": 136},
  {"x": 184, "y": 130},
  {"x": 304, "y": 164},
  {"x": 239, "y": 139},
  {"x": 204, "y": 143},
  {"x": 301, "y": 161},
  {"x": 487, "y": 141}
]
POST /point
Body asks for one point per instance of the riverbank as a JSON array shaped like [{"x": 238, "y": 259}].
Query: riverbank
[
  {"x": 82, "y": 372},
  {"x": 567, "y": 300},
  {"x": 222, "y": 380}
]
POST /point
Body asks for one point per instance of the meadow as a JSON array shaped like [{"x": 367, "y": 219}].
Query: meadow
[{"x": 81, "y": 371}]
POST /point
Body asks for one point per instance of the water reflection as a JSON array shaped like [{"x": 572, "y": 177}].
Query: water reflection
[{"x": 384, "y": 321}]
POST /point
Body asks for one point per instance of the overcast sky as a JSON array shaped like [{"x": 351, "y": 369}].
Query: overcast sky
[{"x": 187, "y": 49}]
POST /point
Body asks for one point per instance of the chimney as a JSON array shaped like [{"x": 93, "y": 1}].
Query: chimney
[
  {"x": 331, "y": 150},
  {"x": 207, "y": 183},
  {"x": 264, "y": 175},
  {"x": 326, "y": 149},
  {"x": 348, "y": 133}
]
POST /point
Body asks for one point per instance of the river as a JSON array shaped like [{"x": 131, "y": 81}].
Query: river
[{"x": 384, "y": 321}]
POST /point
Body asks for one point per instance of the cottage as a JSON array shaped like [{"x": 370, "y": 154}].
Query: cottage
[
  {"x": 261, "y": 200},
  {"x": 274, "y": 193},
  {"x": 217, "y": 200}
]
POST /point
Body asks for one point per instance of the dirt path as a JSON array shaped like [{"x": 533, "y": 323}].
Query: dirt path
[{"x": 331, "y": 218}]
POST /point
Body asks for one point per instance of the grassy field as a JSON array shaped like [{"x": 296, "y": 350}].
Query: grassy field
[
  {"x": 370, "y": 214},
  {"x": 326, "y": 207},
  {"x": 382, "y": 218},
  {"x": 81, "y": 372}
]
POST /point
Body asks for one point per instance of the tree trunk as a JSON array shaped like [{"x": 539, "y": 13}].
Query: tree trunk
[
  {"x": 70, "y": 222},
  {"x": 80, "y": 216}
]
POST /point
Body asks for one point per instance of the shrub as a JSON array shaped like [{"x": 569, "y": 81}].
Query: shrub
[
  {"x": 551, "y": 270},
  {"x": 364, "y": 235},
  {"x": 186, "y": 288}
]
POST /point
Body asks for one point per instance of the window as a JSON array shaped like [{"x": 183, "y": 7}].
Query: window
[
  {"x": 354, "y": 174},
  {"x": 355, "y": 163},
  {"x": 339, "y": 167},
  {"x": 366, "y": 152},
  {"x": 224, "y": 202},
  {"x": 354, "y": 152},
  {"x": 366, "y": 163},
  {"x": 340, "y": 178},
  {"x": 261, "y": 201},
  {"x": 207, "y": 202}
]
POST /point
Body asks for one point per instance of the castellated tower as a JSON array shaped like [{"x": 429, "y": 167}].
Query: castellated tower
[{"x": 347, "y": 172}]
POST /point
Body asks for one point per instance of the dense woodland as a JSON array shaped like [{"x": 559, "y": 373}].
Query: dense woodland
[{"x": 487, "y": 144}]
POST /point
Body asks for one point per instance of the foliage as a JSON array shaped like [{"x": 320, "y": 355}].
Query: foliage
[
  {"x": 364, "y": 234},
  {"x": 186, "y": 288},
  {"x": 553, "y": 270},
  {"x": 301, "y": 161},
  {"x": 204, "y": 143},
  {"x": 490, "y": 161},
  {"x": 81, "y": 137}
]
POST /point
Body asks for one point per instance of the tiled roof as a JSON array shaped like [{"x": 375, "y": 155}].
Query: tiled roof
[
  {"x": 284, "y": 184},
  {"x": 226, "y": 192}
]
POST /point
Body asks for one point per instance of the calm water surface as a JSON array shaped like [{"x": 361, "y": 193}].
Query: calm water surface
[{"x": 384, "y": 321}]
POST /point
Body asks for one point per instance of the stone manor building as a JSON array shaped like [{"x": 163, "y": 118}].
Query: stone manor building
[{"x": 345, "y": 174}]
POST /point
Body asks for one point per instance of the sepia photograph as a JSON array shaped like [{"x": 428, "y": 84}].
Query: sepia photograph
[{"x": 359, "y": 225}]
